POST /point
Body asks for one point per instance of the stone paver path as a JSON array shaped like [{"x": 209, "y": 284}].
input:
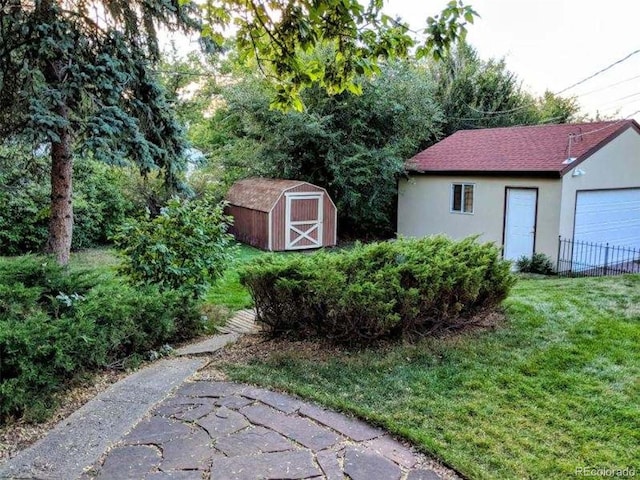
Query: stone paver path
[
  {"x": 242, "y": 322},
  {"x": 227, "y": 431},
  {"x": 82, "y": 438}
]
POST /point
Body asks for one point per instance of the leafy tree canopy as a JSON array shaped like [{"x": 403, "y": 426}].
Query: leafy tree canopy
[
  {"x": 277, "y": 33},
  {"x": 78, "y": 74},
  {"x": 355, "y": 146},
  {"x": 477, "y": 93}
]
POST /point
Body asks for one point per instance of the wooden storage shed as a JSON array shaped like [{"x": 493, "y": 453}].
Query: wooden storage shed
[{"x": 279, "y": 215}]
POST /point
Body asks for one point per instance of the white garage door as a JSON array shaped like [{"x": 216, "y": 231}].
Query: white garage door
[{"x": 609, "y": 216}]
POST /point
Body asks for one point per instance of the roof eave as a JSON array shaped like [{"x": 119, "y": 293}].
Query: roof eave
[
  {"x": 488, "y": 173},
  {"x": 619, "y": 131}
]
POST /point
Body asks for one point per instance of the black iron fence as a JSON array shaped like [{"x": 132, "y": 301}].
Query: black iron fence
[{"x": 587, "y": 259}]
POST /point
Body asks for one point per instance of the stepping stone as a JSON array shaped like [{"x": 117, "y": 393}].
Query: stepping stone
[
  {"x": 330, "y": 465},
  {"x": 233, "y": 401},
  {"x": 423, "y": 475},
  {"x": 157, "y": 430},
  {"x": 191, "y": 411},
  {"x": 190, "y": 453},
  {"x": 301, "y": 430},
  {"x": 243, "y": 321},
  {"x": 281, "y": 402},
  {"x": 253, "y": 441},
  {"x": 354, "y": 429},
  {"x": 222, "y": 422},
  {"x": 193, "y": 414},
  {"x": 393, "y": 450},
  {"x": 176, "y": 475},
  {"x": 361, "y": 465},
  {"x": 130, "y": 462},
  {"x": 280, "y": 465},
  {"x": 210, "y": 345}
]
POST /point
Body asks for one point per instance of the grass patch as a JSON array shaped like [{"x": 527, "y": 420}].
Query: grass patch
[
  {"x": 103, "y": 257},
  {"x": 227, "y": 291},
  {"x": 556, "y": 388}
]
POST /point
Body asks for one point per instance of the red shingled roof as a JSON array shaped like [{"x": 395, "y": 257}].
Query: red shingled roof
[{"x": 533, "y": 149}]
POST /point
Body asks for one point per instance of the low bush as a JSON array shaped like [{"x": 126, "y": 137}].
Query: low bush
[
  {"x": 537, "y": 263},
  {"x": 379, "y": 290},
  {"x": 185, "y": 247},
  {"x": 56, "y": 324}
]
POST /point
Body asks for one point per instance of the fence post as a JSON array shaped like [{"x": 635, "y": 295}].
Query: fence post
[
  {"x": 606, "y": 259},
  {"x": 558, "y": 257}
]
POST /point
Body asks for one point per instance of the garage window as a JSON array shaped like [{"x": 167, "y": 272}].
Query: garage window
[{"x": 462, "y": 197}]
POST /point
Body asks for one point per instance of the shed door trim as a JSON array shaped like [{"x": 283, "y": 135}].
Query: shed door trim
[{"x": 314, "y": 225}]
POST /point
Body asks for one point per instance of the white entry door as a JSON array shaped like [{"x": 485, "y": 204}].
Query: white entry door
[
  {"x": 520, "y": 222},
  {"x": 304, "y": 216}
]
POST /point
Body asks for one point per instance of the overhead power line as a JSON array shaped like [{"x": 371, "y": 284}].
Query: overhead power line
[
  {"x": 621, "y": 98},
  {"x": 608, "y": 67},
  {"x": 599, "y": 72},
  {"x": 607, "y": 86},
  {"x": 610, "y": 125}
]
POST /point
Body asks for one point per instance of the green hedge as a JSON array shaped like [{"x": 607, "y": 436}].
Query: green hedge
[
  {"x": 379, "y": 290},
  {"x": 56, "y": 325},
  {"x": 100, "y": 201}
]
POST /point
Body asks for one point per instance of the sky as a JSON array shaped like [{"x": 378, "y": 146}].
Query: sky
[{"x": 552, "y": 44}]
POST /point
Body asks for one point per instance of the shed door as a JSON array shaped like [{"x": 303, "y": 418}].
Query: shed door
[
  {"x": 520, "y": 222},
  {"x": 304, "y": 216}
]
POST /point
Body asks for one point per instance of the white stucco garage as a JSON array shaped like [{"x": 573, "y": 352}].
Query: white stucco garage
[{"x": 524, "y": 187}]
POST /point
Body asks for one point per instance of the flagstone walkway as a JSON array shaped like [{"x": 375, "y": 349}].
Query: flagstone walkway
[
  {"x": 156, "y": 424},
  {"x": 229, "y": 431}
]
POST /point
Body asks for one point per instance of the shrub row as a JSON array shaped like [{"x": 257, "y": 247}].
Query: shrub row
[
  {"x": 379, "y": 290},
  {"x": 56, "y": 325}
]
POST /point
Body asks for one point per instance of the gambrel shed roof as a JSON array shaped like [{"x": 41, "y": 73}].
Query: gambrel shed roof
[{"x": 259, "y": 193}]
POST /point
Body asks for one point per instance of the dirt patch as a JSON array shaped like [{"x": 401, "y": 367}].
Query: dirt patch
[
  {"x": 263, "y": 348},
  {"x": 18, "y": 435}
]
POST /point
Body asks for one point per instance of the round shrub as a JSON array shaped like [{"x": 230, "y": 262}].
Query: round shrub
[
  {"x": 56, "y": 324},
  {"x": 184, "y": 248},
  {"x": 379, "y": 290},
  {"x": 537, "y": 263}
]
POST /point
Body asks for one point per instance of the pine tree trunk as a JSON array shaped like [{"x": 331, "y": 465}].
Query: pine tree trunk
[{"x": 61, "y": 219}]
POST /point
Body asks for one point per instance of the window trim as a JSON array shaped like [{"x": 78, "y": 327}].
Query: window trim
[{"x": 451, "y": 194}]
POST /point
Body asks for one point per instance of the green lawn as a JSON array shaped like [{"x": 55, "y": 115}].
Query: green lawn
[
  {"x": 227, "y": 291},
  {"x": 555, "y": 388}
]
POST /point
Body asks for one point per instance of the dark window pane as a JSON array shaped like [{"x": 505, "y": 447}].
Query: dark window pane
[
  {"x": 468, "y": 198},
  {"x": 457, "y": 198}
]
